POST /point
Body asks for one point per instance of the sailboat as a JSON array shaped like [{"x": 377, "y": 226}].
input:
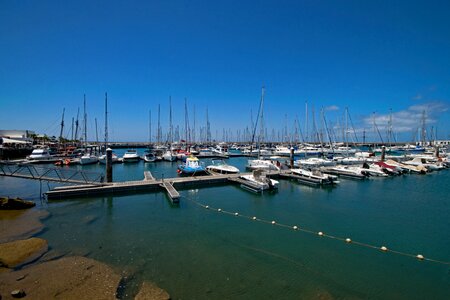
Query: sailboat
[
  {"x": 87, "y": 158},
  {"x": 261, "y": 164},
  {"x": 102, "y": 158}
]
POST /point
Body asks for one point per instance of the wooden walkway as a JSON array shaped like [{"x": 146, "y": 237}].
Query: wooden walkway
[
  {"x": 173, "y": 193},
  {"x": 169, "y": 185}
]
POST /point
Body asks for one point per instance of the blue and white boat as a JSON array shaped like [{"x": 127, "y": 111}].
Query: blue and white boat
[{"x": 192, "y": 167}]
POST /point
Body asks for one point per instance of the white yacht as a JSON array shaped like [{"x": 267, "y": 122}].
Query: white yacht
[
  {"x": 426, "y": 162},
  {"x": 314, "y": 177},
  {"x": 221, "y": 167},
  {"x": 258, "y": 182},
  {"x": 313, "y": 162},
  {"x": 149, "y": 157},
  {"x": 169, "y": 156},
  {"x": 131, "y": 156},
  {"x": 88, "y": 159},
  {"x": 102, "y": 159},
  {"x": 40, "y": 154},
  {"x": 263, "y": 164}
]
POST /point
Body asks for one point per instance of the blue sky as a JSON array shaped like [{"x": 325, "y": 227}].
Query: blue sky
[{"x": 367, "y": 56}]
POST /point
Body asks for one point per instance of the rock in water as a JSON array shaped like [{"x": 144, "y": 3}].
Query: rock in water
[
  {"x": 19, "y": 252},
  {"x": 15, "y": 203},
  {"x": 150, "y": 291},
  {"x": 18, "y": 294},
  {"x": 66, "y": 278}
]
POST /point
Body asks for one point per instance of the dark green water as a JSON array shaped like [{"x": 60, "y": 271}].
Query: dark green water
[{"x": 195, "y": 253}]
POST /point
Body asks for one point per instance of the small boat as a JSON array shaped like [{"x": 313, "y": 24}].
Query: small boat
[
  {"x": 88, "y": 159},
  {"x": 263, "y": 164},
  {"x": 313, "y": 162},
  {"x": 131, "y": 156},
  {"x": 409, "y": 168},
  {"x": 40, "y": 154},
  {"x": 149, "y": 157},
  {"x": 169, "y": 156},
  {"x": 345, "y": 171},
  {"x": 388, "y": 169},
  {"x": 191, "y": 167},
  {"x": 221, "y": 167},
  {"x": 102, "y": 159},
  {"x": 258, "y": 182},
  {"x": 373, "y": 170},
  {"x": 423, "y": 161},
  {"x": 314, "y": 177}
]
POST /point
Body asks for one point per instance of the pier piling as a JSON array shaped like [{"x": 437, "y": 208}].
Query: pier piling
[
  {"x": 109, "y": 174},
  {"x": 292, "y": 158}
]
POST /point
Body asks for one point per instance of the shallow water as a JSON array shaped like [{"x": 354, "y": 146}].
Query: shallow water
[{"x": 198, "y": 253}]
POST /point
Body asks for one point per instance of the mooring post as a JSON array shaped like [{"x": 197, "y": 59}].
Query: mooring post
[
  {"x": 109, "y": 174},
  {"x": 292, "y": 158},
  {"x": 383, "y": 153}
]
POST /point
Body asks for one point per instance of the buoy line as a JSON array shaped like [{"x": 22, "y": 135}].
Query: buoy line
[{"x": 320, "y": 234}]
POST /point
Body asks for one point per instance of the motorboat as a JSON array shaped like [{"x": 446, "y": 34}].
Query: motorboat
[
  {"x": 88, "y": 159},
  {"x": 314, "y": 177},
  {"x": 149, "y": 157},
  {"x": 192, "y": 167},
  {"x": 263, "y": 164},
  {"x": 169, "y": 156},
  {"x": 423, "y": 161},
  {"x": 388, "y": 169},
  {"x": 40, "y": 154},
  {"x": 131, "y": 156},
  {"x": 373, "y": 170},
  {"x": 221, "y": 167},
  {"x": 282, "y": 151},
  {"x": 102, "y": 158},
  {"x": 409, "y": 168},
  {"x": 258, "y": 182},
  {"x": 313, "y": 162},
  {"x": 345, "y": 171}
]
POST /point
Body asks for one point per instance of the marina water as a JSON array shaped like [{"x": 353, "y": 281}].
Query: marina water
[{"x": 198, "y": 253}]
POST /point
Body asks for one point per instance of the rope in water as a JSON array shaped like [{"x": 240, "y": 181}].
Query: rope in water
[{"x": 320, "y": 234}]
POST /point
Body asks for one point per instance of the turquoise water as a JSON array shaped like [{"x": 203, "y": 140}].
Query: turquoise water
[{"x": 195, "y": 253}]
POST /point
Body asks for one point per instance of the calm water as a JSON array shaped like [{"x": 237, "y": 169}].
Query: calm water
[{"x": 196, "y": 253}]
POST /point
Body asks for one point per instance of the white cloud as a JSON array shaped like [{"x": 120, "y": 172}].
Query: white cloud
[
  {"x": 331, "y": 108},
  {"x": 409, "y": 119}
]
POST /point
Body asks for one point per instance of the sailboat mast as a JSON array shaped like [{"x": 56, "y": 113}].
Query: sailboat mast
[
  {"x": 193, "y": 130},
  {"x": 77, "y": 125},
  {"x": 346, "y": 128},
  {"x": 106, "y": 121},
  {"x": 72, "y": 129},
  {"x": 170, "y": 121},
  {"x": 62, "y": 126},
  {"x": 96, "y": 132},
  {"x": 85, "y": 121},
  {"x": 306, "y": 121},
  {"x": 186, "y": 129},
  {"x": 158, "y": 136},
  {"x": 149, "y": 126}
]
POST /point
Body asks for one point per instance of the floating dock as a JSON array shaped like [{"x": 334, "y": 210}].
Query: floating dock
[{"x": 168, "y": 184}]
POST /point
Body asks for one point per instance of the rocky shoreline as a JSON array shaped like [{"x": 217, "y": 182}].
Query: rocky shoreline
[{"x": 29, "y": 270}]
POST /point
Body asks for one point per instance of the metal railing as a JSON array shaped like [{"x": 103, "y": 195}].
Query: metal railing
[{"x": 62, "y": 175}]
